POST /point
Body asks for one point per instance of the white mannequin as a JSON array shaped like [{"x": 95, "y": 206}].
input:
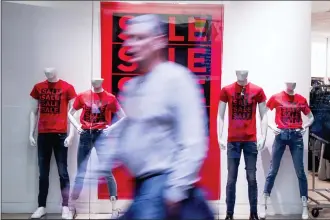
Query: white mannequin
[
  {"x": 51, "y": 76},
  {"x": 242, "y": 80},
  {"x": 97, "y": 88},
  {"x": 289, "y": 89}
]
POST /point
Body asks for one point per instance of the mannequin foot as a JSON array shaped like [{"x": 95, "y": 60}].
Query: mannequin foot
[
  {"x": 263, "y": 207},
  {"x": 254, "y": 216},
  {"x": 229, "y": 217},
  {"x": 39, "y": 213},
  {"x": 305, "y": 208},
  {"x": 66, "y": 213},
  {"x": 115, "y": 214}
]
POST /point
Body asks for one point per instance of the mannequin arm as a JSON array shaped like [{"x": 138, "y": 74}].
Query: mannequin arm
[
  {"x": 71, "y": 131},
  {"x": 122, "y": 117},
  {"x": 310, "y": 120},
  {"x": 220, "y": 123},
  {"x": 72, "y": 119},
  {"x": 264, "y": 119},
  {"x": 33, "y": 120},
  {"x": 264, "y": 124}
]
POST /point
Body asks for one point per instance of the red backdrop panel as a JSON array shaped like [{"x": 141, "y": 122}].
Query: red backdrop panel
[{"x": 195, "y": 40}]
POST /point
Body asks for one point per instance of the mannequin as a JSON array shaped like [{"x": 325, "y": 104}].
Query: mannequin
[
  {"x": 51, "y": 100},
  {"x": 242, "y": 98},
  {"x": 97, "y": 105},
  {"x": 289, "y": 130}
]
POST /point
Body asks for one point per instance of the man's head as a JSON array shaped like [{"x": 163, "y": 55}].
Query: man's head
[{"x": 145, "y": 38}]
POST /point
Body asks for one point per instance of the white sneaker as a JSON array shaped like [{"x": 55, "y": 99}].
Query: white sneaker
[
  {"x": 115, "y": 214},
  {"x": 305, "y": 208},
  {"x": 66, "y": 213},
  {"x": 39, "y": 213},
  {"x": 263, "y": 207}
]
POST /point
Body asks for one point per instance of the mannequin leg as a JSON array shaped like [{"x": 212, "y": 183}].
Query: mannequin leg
[
  {"x": 45, "y": 150},
  {"x": 297, "y": 153},
  {"x": 103, "y": 155},
  {"x": 250, "y": 156},
  {"x": 84, "y": 149},
  {"x": 277, "y": 153},
  {"x": 61, "y": 157},
  {"x": 233, "y": 159}
]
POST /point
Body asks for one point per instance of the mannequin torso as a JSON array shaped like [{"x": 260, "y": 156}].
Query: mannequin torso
[
  {"x": 289, "y": 105},
  {"x": 51, "y": 98},
  {"x": 97, "y": 105},
  {"x": 242, "y": 98}
]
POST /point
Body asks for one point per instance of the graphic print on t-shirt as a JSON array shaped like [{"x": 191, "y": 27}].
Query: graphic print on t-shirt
[
  {"x": 95, "y": 113},
  {"x": 242, "y": 108},
  {"x": 291, "y": 115},
  {"x": 50, "y": 101}
]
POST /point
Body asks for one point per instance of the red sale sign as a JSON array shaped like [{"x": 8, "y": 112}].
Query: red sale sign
[{"x": 195, "y": 35}]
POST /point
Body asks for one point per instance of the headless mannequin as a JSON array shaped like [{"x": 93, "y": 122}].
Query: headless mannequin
[
  {"x": 51, "y": 76},
  {"x": 290, "y": 90},
  {"x": 97, "y": 88},
  {"x": 242, "y": 79}
]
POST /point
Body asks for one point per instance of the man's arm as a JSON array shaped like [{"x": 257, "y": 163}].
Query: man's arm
[
  {"x": 191, "y": 138},
  {"x": 33, "y": 120},
  {"x": 68, "y": 140}
]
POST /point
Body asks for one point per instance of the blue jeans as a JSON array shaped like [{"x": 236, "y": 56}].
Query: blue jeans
[
  {"x": 234, "y": 151},
  {"x": 294, "y": 139},
  {"x": 86, "y": 143},
  {"x": 47, "y": 143},
  {"x": 148, "y": 202}
]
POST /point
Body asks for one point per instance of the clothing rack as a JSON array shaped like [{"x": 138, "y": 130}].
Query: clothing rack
[{"x": 316, "y": 205}]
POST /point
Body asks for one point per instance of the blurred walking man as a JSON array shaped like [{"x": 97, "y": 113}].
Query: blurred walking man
[{"x": 162, "y": 140}]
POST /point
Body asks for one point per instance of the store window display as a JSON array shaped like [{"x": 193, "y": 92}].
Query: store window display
[
  {"x": 50, "y": 100},
  {"x": 289, "y": 130},
  {"x": 97, "y": 106},
  {"x": 242, "y": 98}
]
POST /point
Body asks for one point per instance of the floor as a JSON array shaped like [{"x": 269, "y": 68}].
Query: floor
[{"x": 323, "y": 214}]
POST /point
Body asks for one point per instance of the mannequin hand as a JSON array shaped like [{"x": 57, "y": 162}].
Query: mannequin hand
[
  {"x": 107, "y": 130},
  {"x": 223, "y": 144},
  {"x": 275, "y": 129},
  {"x": 68, "y": 141},
  {"x": 32, "y": 141},
  {"x": 80, "y": 130},
  {"x": 261, "y": 144},
  {"x": 303, "y": 130}
]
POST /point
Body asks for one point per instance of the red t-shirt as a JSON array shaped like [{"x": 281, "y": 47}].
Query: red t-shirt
[
  {"x": 288, "y": 110},
  {"x": 53, "y": 98},
  {"x": 242, "y": 110},
  {"x": 97, "y": 109}
]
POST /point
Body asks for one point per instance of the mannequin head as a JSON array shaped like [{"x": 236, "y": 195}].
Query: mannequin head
[
  {"x": 50, "y": 74},
  {"x": 145, "y": 40},
  {"x": 242, "y": 76},
  {"x": 97, "y": 83},
  {"x": 290, "y": 86}
]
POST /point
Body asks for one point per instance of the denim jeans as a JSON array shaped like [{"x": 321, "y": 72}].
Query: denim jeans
[
  {"x": 47, "y": 143},
  {"x": 86, "y": 143},
  {"x": 292, "y": 138},
  {"x": 149, "y": 203},
  {"x": 234, "y": 150}
]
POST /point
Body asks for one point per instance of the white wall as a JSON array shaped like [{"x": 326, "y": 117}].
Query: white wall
[
  {"x": 320, "y": 56},
  {"x": 268, "y": 45}
]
